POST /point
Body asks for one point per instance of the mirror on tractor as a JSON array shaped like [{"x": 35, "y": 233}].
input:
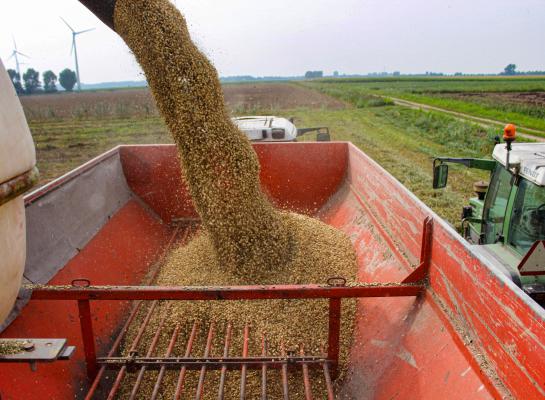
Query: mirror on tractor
[{"x": 440, "y": 176}]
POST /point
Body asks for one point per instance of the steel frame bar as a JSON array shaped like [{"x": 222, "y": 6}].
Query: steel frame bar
[
  {"x": 245, "y": 342},
  {"x": 211, "y": 362},
  {"x": 306, "y": 376},
  {"x": 328, "y": 383},
  {"x": 207, "y": 350},
  {"x": 421, "y": 271},
  {"x": 333, "y": 346},
  {"x": 264, "y": 351},
  {"x": 227, "y": 345},
  {"x": 263, "y": 292},
  {"x": 285, "y": 386},
  {"x": 88, "y": 337},
  {"x": 181, "y": 377},
  {"x": 151, "y": 349}
]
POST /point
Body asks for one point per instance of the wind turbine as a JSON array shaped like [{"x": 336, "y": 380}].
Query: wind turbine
[
  {"x": 75, "y": 50},
  {"x": 15, "y": 54}
]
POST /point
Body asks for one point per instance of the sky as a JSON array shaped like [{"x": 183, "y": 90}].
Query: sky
[{"x": 289, "y": 37}]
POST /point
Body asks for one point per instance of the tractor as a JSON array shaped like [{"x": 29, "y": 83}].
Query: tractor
[{"x": 506, "y": 220}]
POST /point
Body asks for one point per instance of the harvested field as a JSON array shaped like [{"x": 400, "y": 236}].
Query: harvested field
[
  {"x": 277, "y": 96},
  {"x": 101, "y": 104},
  {"x": 71, "y": 128},
  {"x": 139, "y": 102}
]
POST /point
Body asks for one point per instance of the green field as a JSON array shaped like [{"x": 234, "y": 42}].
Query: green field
[
  {"x": 403, "y": 140},
  {"x": 519, "y": 100},
  {"x": 62, "y": 145}
]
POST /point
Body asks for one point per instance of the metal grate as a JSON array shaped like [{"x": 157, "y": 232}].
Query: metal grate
[{"x": 286, "y": 362}]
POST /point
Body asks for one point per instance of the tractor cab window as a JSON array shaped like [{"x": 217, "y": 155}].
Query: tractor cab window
[
  {"x": 496, "y": 204},
  {"x": 528, "y": 219}
]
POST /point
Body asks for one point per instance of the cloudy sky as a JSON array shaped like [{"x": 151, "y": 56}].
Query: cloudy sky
[{"x": 288, "y": 37}]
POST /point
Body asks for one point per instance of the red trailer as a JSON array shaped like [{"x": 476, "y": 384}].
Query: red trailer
[{"x": 434, "y": 320}]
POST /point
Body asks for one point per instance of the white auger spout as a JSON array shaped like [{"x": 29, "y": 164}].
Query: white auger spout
[{"x": 17, "y": 174}]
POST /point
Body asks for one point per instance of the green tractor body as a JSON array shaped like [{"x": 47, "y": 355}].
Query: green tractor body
[{"x": 507, "y": 218}]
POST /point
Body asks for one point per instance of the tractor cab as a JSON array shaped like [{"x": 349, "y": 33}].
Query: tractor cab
[{"x": 507, "y": 217}]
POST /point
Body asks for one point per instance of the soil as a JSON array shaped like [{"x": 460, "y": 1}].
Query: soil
[
  {"x": 527, "y": 98},
  {"x": 129, "y": 102},
  {"x": 276, "y": 96}
]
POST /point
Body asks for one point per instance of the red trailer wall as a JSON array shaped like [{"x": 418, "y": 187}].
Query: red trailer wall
[
  {"x": 296, "y": 176},
  {"x": 494, "y": 316}
]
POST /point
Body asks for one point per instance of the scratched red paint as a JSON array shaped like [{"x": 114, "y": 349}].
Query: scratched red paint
[
  {"x": 494, "y": 315},
  {"x": 119, "y": 254},
  {"x": 401, "y": 347}
]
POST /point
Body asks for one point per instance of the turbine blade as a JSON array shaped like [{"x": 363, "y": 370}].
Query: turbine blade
[
  {"x": 10, "y": 57},
  {"x": 73, "y": 45},
  {"x": 63, "y": 20},
  {"x": 22, "y": 54},
  {"x": 86, "y": 30},
  {"x": 14, "y": 43}
]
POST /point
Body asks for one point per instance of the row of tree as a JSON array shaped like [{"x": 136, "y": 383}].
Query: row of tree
[
  {"x": 31, "y": 84},
  {"x": 511, "y": 69},
  {"x": 314, "y": 74}
]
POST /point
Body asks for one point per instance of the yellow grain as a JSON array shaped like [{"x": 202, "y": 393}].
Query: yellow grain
[{"x": 243, "y": 239}]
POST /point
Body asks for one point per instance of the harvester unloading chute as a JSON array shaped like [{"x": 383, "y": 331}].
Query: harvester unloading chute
[{"x": 17, "y": 174}]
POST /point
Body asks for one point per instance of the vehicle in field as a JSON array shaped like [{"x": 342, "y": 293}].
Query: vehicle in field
[
  {"x": 507, "y": 218},
  {"x": 276, "y": 129}
]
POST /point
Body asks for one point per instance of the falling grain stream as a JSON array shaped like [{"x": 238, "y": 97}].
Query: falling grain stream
[{"x": 243, "y": 239}]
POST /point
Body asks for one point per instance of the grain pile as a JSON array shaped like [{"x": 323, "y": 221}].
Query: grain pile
[
  {"x": 243, "y": 239},
  {"x": 219, "y": 165},
  {"x": 8, "y": 347}
]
